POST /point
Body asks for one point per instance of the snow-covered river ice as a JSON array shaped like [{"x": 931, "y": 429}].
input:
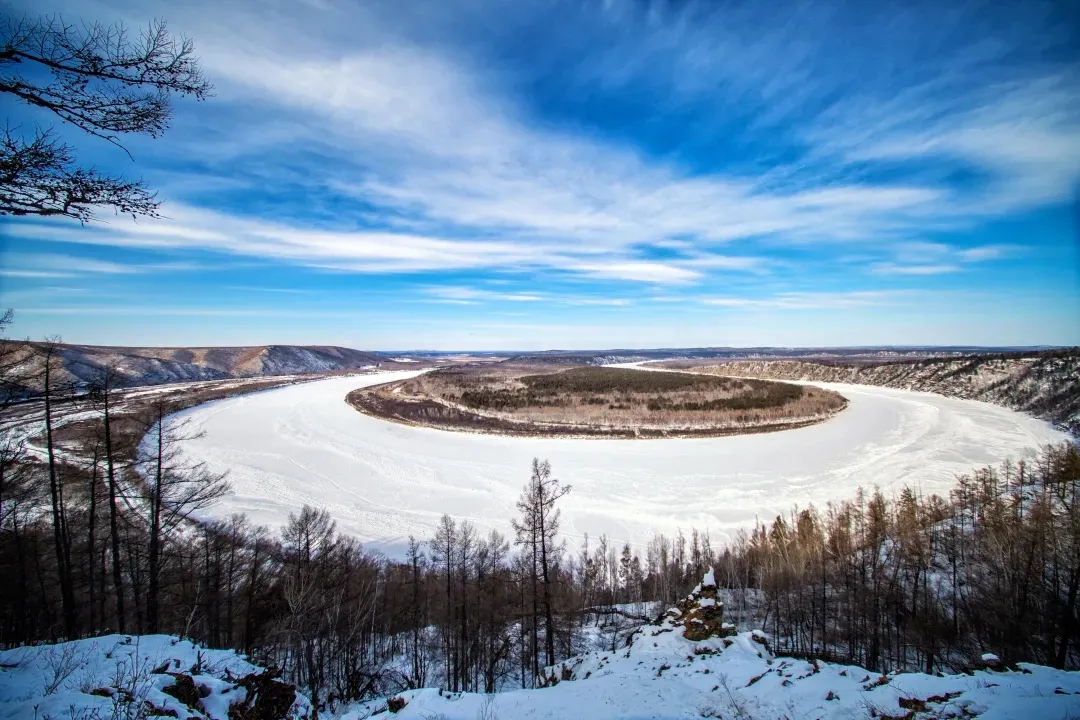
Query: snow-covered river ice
[{"x": 382, "y": 481}]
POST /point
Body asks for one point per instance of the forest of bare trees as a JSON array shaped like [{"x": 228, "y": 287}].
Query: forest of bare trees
[
  {"x": 926, "y": 583},
  {"x": 101, "y": 534}
]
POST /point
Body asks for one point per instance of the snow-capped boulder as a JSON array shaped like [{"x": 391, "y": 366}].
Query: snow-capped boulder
[{"x": 700, "y": 614}]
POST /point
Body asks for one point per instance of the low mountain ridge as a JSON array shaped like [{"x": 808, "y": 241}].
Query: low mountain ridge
[
  {"x": 86, "y": 364},
  {"x": 1044, "y": 384}
]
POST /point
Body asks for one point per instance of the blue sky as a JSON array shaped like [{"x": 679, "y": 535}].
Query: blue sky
[{"x": 491, "y": 175}]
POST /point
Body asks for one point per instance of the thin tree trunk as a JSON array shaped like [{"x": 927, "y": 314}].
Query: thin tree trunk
[
  {"x": 136, "y": 581},
  {"x": 90, "y": 524},
  {"x": 535, "y": 612},
  {"x": 153, "y": 562},
  {"x": 63, "y": 545},
  {"x": 549, "y": 621},
  {"x": 248, "y": 624},
  {"x": 114, "y": 524}
]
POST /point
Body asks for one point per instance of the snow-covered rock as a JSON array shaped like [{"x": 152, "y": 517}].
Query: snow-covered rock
[
  {"x": 700, "y": 615},
  {"x": 122, "y": 676}
]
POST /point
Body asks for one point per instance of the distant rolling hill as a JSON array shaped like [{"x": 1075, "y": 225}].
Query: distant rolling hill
[
  {"x": 85, "y": 364},
  {"x": 1043, "y": 383}
]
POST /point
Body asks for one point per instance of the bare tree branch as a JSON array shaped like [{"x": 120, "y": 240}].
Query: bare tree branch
[
  {"x": 41, "y": 178},
  {"x": 99, "y": 79}
]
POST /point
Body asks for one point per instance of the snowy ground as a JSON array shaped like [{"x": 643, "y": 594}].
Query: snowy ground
[
  {"x": 659, "y": 674},
  {"x": 117, "y": 677},
  {"x": 661, "y": 677},
  {"x": 382, "y": 481}
]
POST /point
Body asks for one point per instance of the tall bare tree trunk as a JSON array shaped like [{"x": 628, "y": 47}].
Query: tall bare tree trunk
[
  {"x": 114, "y": 523},
  {"x": 535, "y": 613},
  {"x": 549, "y": 621},
  {"x": 252, "y": 581},
  {"x": 60, "y": 532},
  {"x": 90, "y": 526},
  {"x": 153, "y": 560}
]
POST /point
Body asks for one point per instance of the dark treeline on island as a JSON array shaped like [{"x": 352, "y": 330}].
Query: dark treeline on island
[
  {"x": 550, "y": 400},
  {"x": 98, "y": 534}
]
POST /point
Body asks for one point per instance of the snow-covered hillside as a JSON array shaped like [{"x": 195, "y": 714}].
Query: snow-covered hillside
[
  {"x": 687, "y": 664},
  {"x": 663, "y": 673},
  {"x": 1046, "y": 385},
  {"x": 152, "y": 366}
]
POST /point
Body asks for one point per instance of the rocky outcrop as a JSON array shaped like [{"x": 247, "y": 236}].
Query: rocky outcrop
[
  {"x": 700, "y": 615},
  {"x": 186, "y": 691},
  {"x": 266, "y": 699}
]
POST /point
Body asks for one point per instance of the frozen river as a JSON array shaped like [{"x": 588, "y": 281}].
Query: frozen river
[{"x": 382, "y": 481}]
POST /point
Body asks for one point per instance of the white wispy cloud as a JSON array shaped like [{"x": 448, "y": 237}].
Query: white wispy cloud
[
  {"x": 640, "y": 270},
  {"x": 1024, "y": 136},
  {"x": 987, "y": 252},
  {"x": 929, "y": 258},
  {"x": 891, "y": 268},
  {"x": 710, "y": 261},
  {"x": 36, "y": 274},
  {"x": 462, "y": 295},
  {"x": 806, "y": 300},
  {"x": 598, "y": 302},
  {"x": 444, "y": 147},
  {"x": 423, "y": 155},
  {"x": 262, "y": 289},
  {"x": 361, "y": 251},
  {"x": 170, "y": 311},
  {"x": 58, "y": 265},
  {"x": 473, "y": 295},
  {"x": 463, "y": 158}
]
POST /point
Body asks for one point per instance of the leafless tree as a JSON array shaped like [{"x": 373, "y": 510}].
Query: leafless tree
[
  {"x": 443, "y": 554},
  {"x": 309, "y": 546},
  {"x": 103, "y": 393},
  {"x": 175, "y": 490},
  {"x": 417, "y": 562},
  {"x": 101, "y": 80},
  {"x": 537, "y": 529},
  {"x": 54, "y": 389}
]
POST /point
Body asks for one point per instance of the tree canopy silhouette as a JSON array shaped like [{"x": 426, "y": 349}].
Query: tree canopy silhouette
[{"x": 104, "y": 82}]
